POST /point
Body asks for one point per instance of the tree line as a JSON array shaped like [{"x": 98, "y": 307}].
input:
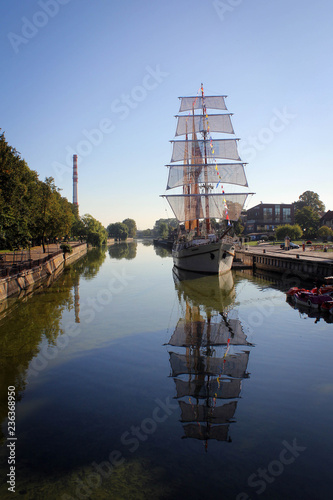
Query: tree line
[
  {"x": 308, "y": 210},
  {"x": 163, "y": 228},
  {"x": 33, "y": 212},
  {"x": 122, "y": 230}
]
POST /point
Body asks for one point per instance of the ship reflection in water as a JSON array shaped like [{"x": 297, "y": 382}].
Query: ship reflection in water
[{"x": 210, "y": 361}]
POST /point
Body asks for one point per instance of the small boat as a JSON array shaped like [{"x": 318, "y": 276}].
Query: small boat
[
  {"x": 311, "y": 299},
  {"x": 325, "y": 288},
  {"x": 203, "y": 209}
]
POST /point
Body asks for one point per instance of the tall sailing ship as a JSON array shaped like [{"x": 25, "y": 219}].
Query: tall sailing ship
[{"x": 199, "y": 246}]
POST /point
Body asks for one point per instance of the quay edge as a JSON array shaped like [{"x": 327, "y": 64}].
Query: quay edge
[
  {"x": 306, "y": 267},
  {"x": 27, "y": 280}
]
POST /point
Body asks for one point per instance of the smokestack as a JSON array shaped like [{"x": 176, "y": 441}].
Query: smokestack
[{"x": 75, "y": 180}]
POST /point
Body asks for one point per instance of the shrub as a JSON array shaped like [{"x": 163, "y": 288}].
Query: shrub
[{"x": 66, "y": 248}]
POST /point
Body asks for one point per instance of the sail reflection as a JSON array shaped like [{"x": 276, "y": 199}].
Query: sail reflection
[{"x": 209, "y": 362}]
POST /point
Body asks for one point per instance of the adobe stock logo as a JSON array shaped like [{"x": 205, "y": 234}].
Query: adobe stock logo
[
  {"x": 224, "y": 7},
  {"x": 121, "y": 108},
  {"x": 40, "y": 19},
  {"x": 280, "y": 120},
  {"x": 265, "y": 476}
]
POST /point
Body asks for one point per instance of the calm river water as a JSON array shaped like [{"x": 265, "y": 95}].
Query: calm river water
[{"x": 133, "y": 383}]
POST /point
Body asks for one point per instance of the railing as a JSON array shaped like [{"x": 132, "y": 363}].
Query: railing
[
  {"x": 321, "y": 247},
  {"x": 9, "y": 268}
]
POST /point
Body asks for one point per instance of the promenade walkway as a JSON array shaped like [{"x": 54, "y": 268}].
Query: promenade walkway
[
  {"x": 13, "y": 262},
  {"x": 296, "y": 253},
  {"x": 308, "y": 264},
  {"x": 35, "y": 253}
]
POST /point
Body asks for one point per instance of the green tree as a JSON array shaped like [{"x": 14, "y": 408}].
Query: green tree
[
  {"x": 34, "y": 210},
  {"x": 146, "y": 233},
  {"x": 131, "y": 225},
  {"x": 238, "y": 227},
  {"x": 78, "y": 229},
  {"x": 118, "y": 230},
  {"x": 96, "y": 234},
  {"x": 325, "y": 232},
  {"x": 54, "y": 215},
  {"x": 293, "y": 231},
  {"x": 308, "y": 219},
  {"x": 17, "y": 186},
  {"x": 310, "y": 199},
  {"x": 163, "y": 230},
  {"x": 160, "y": 224}
]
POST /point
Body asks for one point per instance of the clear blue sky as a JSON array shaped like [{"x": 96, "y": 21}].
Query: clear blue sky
[{"x": 71, "y": 67}]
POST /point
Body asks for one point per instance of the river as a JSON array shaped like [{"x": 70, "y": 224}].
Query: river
[{"x": 131, "y": 382}]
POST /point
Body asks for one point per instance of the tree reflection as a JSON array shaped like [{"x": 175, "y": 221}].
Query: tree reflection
[
  {"x": 89, "y": 267},
  {"x": 162, "y": 252},
  {"x": 37, "y": 318},
  {"x": 123, "y": 250}
]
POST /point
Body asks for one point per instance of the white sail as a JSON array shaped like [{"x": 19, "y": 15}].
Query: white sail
[
  {"x": 212, "y": 102},
  {"x": 195, "y": 206},
  {"x": 227, "y": 173},
  {"x": 200, "y": 123},
  {"x": 218, "y": 148}
]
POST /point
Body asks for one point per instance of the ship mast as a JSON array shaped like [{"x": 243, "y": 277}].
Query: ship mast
[
  {"x": 194, "y": 224},
  {"x": 204, "y": 132},
  {"x": 194, "y": 166},
  {"x": 186, "y": 187}
]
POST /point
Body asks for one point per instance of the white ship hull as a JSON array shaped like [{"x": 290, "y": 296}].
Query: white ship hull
[{"x": 204, "y": 257}]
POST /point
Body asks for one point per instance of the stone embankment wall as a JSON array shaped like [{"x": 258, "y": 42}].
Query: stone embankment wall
[
  {"x": 27, "y": 279},
  {"x": 295, "y": 265}
]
